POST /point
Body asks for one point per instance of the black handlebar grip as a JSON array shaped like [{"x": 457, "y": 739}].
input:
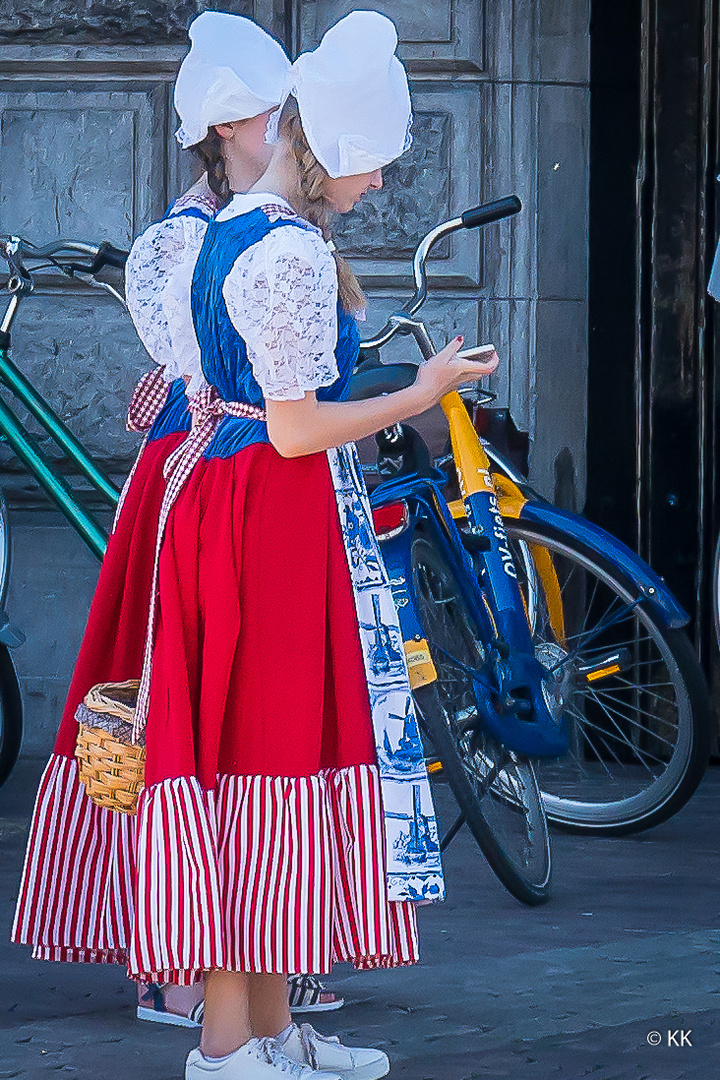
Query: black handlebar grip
[
  {"x": 493, "y": 211},
  {"x": 109, "y": 255}
]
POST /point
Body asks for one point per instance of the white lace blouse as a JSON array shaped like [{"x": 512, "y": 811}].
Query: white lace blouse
[
  {"x": 158, "y": 278},
  {"x": 281, "y": 296}
]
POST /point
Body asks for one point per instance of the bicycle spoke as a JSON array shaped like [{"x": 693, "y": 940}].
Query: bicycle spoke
[
  {"x": 633, "y": 723},
  {"x": 645, "y": 689},
  {"x": 634, "y": 733},
  {"x": 595, "y": 694},
  {"x": 641, "y": 757},
  {"x": 630, "y": 642},
  {"x": 600, "y": 759},
  {"x": 598, "y": 756},
  {"x": 590, "y": 635}
]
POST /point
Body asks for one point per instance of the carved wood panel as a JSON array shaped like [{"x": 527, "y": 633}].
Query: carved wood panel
[
  {"x": 439, "y": 36},
  {"x": 438, "y": 178},
  {"x": 123, "y": 22},
  {"x": 71, "y": 163}
]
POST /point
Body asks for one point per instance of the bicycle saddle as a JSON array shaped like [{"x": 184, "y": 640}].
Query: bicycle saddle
[{"x": 373, "y": 379}]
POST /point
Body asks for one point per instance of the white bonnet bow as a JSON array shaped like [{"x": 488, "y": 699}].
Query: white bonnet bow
[
  {"x": 353, "y": 97},
  {"x": 234, "y": 70}
]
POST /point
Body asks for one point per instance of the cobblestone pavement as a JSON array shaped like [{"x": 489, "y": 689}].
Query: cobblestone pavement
[{"x": 628, "y": 946}]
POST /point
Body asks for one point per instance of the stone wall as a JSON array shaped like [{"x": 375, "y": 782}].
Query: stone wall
[
  {"x": 87, "y": 151},
  {"x": 84, "y": 22}
]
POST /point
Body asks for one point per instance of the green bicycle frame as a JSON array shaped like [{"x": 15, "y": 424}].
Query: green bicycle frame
[{"x": 24, "y": 446}]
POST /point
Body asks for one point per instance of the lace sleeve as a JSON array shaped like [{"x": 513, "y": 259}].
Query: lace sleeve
[
  {"x": 158, "y": 277},
  {"x": 281, "y": 296}
]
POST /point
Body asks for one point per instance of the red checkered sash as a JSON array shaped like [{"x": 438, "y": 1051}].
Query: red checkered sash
[
  {"x": 147, "y": 400},
  {"x": 208, "y": 409},
  {"x": 145, "y": 406}
]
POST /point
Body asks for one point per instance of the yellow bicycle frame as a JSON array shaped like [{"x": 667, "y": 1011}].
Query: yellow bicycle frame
[{"x": 474, "y": 474}]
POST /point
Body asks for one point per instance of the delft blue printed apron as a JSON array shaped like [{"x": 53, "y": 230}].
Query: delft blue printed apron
[{"x": 411, "y": 833}]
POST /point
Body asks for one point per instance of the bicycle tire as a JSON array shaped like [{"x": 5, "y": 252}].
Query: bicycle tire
[
  {"x": 640, "y": 748},
  {"x": 495, "y": 790},
  {"x": 11, "y": 716},
  {"x": 716, "y": 591}
]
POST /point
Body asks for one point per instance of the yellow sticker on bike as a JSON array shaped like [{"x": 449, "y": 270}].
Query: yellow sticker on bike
[{"x": 421, "y": 669}]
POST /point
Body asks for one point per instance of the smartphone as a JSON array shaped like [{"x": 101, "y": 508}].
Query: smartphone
[{"x": 480, "y": 352}]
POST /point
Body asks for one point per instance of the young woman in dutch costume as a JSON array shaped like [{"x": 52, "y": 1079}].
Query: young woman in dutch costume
[
  {"x": 270, "y": 834},
  {"x": 235, "y": 73}
]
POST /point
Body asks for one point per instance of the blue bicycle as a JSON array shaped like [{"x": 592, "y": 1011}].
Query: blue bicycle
[
  {"x": 551, "y": 671},
  {"x": 552, "y": 674}
]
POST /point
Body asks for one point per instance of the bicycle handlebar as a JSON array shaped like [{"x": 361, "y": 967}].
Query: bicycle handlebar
[
  {"x": 493, "y": 211},
  {"x": 61, "y": 252},
  {"x": 109, "y": 255},
  {"x": 470, "y": 219}
]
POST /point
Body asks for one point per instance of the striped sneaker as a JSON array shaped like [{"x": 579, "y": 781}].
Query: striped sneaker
[
  {"x": 183, "y": 1010},
  {"x": 308, "y": 995},
  {"x": 181, "y": 1006}
]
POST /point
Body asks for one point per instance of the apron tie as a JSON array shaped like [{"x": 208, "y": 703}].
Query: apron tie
[{"x": 146, "y": 403}]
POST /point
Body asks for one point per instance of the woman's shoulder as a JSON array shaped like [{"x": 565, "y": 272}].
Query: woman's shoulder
[
  {"x": 198, "y": 200},
  {"x": 165, "y": 245},
  {"x": 280, "y": 233},
  {"x": 177, "y": 236},
  {"x": 299, "y": 241}
]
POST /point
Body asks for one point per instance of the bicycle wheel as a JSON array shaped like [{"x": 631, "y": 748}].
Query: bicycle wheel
[
  {"x": 631, "y": 689},
  {"x": 716, "y": 591},
  {"x": 10, "y": 715},
  {"x": 496, "y": 791}
]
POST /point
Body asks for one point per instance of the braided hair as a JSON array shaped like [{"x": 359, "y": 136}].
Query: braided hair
[
  {"x": 312, "y": 204},
  {"x": 209, "y": 152}
]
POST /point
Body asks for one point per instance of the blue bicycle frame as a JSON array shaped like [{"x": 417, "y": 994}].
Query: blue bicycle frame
[{"x": 508, "y": 685}]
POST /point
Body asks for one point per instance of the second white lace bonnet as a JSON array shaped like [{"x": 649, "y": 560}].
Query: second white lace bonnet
[
  {"x": 353, "y": 97},
  {"x": 234, "y": 70}
]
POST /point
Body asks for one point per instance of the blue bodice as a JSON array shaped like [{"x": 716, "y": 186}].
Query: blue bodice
[{"x": 224, "y": 356}]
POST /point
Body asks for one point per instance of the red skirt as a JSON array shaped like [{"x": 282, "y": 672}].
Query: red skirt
[
  {"x": 258, "y": 843},
  {"x": 112, "y": 646}
]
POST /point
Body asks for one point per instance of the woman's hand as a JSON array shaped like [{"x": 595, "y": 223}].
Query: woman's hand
[
  {"x": 309, "y": 426},
  {"x": 446, "y": 371}
]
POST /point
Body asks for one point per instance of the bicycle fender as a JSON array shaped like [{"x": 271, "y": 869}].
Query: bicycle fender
[
  {"x": 426, "y": 501},
  {"x": 650, "y": 587},
  {"x": 427, "y": 505}
]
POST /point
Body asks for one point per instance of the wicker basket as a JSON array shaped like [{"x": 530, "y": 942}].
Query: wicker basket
[{"x": 111, "y": 766}]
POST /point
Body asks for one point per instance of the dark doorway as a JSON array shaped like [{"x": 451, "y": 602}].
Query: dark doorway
[{"x": 652, "y": 424}]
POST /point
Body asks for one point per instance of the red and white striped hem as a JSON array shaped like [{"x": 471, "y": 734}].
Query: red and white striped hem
[{"x": 271, "y": 874}]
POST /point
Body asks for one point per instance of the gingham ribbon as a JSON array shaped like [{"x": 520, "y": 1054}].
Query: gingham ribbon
[
  {"x": 208, "y": 409},
  {"x": 146, "y": 402}
]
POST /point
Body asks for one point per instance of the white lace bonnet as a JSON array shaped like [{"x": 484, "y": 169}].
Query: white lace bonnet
[
  {"x": 353, "y": 97},
  {"x": 234, "y": 70}
]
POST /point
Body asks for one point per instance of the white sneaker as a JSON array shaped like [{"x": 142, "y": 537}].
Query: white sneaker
[
  {"x": 306, "y": 1046},
  {"x": 258, "y": 1059}
]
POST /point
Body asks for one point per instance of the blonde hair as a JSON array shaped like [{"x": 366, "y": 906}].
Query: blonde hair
[{"x": 311, "y": 203}]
